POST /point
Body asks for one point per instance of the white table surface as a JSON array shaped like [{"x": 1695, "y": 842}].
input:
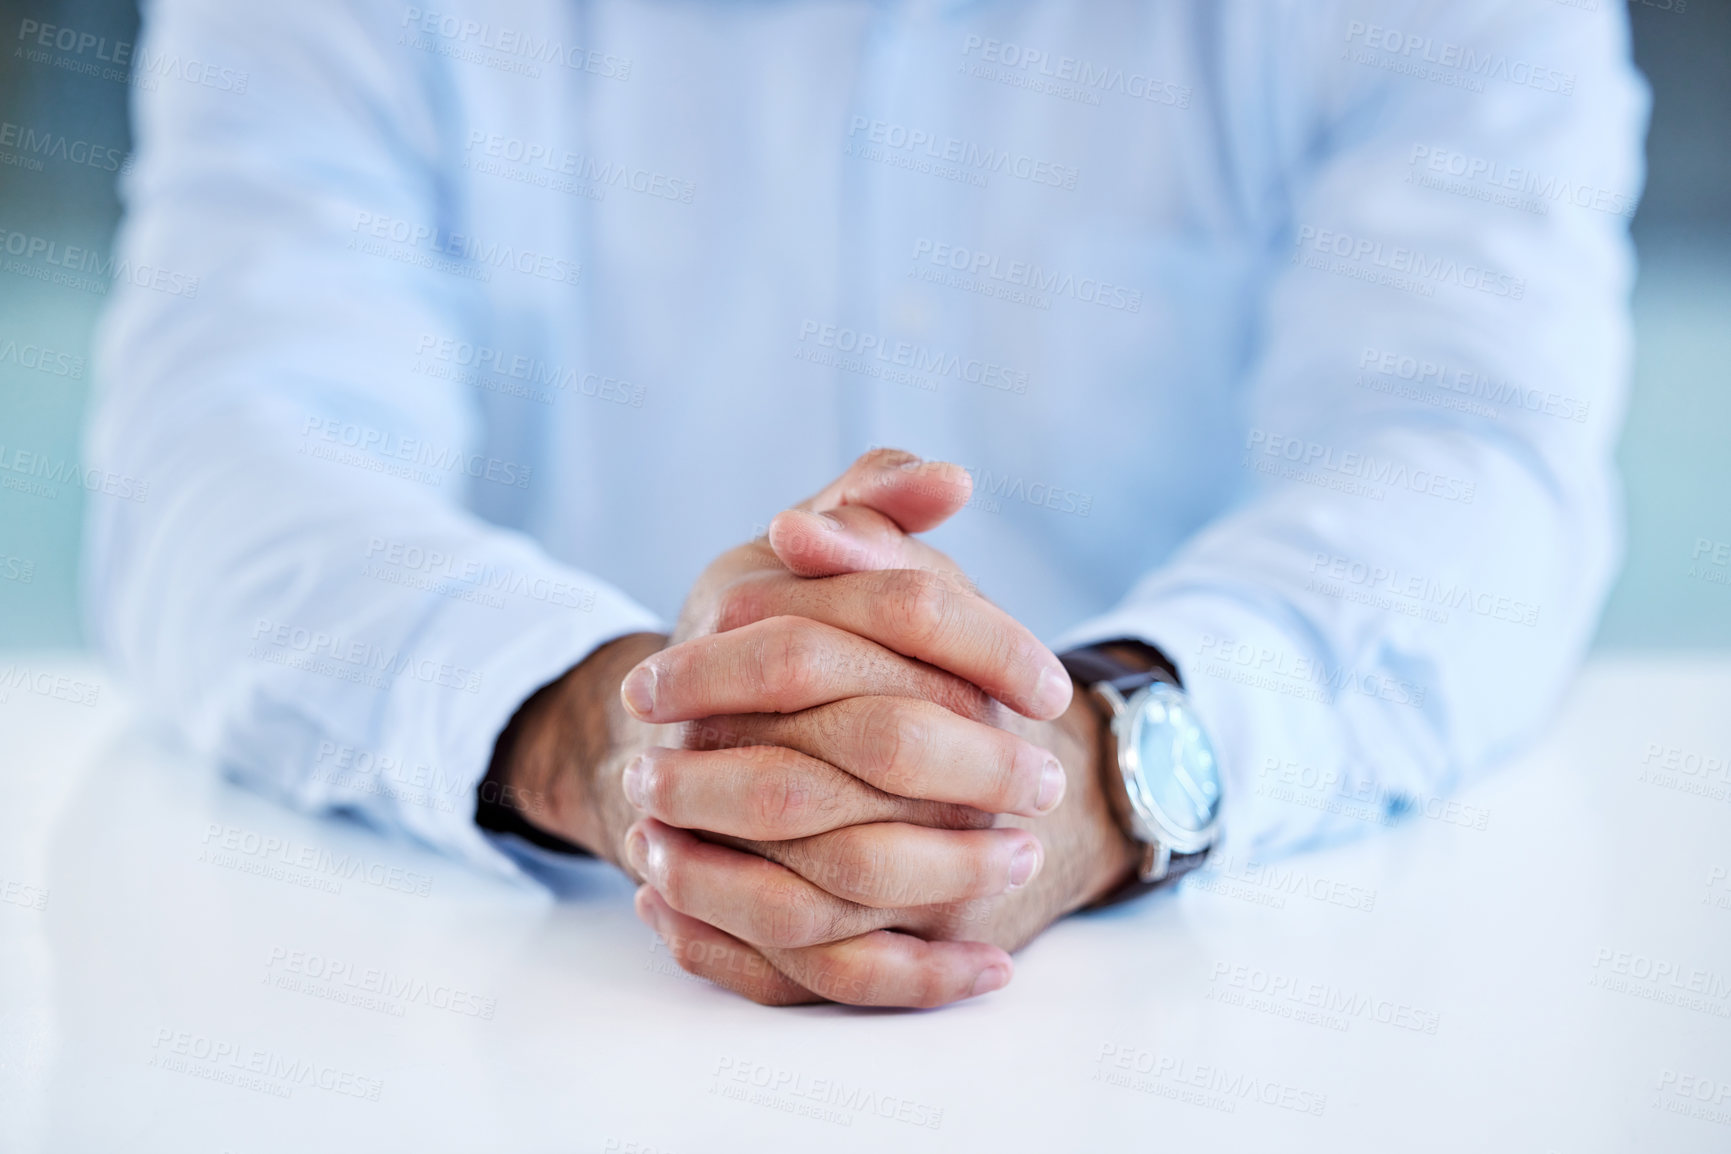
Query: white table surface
[{"x": 1484, "y": 988}]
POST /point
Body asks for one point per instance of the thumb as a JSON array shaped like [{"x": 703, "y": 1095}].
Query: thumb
[
  {"x": 915, "y": 495},
  {"x": 851, "y": 539}
]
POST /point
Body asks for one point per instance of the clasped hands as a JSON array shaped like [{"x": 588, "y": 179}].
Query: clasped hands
[{"x": 846, "y": 776}]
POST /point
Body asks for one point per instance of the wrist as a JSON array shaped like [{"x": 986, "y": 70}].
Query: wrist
[
  {"x": 1087, "y": 852},
  {"x": 1117, "y": 855},
  {"x": 560, "y": 761}
]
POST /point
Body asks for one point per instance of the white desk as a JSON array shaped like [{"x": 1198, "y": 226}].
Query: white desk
[{"x": 152, "y": 1001}]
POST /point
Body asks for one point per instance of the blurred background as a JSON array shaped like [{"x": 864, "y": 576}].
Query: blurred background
[{"x": 64, "y": 137}]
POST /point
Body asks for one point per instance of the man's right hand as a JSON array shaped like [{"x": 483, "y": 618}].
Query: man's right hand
[{"x": 894, "y": 677}]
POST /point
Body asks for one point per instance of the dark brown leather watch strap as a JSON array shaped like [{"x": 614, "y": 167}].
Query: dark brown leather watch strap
[
  {"x": 1116, "y": 660},
  {"x": 1177, "y": 866}
]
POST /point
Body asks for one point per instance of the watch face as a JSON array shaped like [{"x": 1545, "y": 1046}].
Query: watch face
[{"x": 1180, "y": 778}]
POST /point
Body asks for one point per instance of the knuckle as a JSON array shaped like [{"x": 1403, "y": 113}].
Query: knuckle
[
  {"x": 774, "y": 800},
  {"x": 788, "y": 660},
  {"x": 918, "y": 604},
  {"x": 858, "y": 865},
  {"x": 891, "y": 735},
  {"x": 959, "y": 584},
  {"x": 793, "y": 918}
]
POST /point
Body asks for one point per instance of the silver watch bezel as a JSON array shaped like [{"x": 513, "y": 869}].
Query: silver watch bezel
[{"x": 1150, "y": 825}]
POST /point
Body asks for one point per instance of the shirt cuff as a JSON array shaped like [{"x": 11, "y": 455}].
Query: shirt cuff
[
  {"x": 451, "y": 731},
  {"x": 1282, "y": 747}
]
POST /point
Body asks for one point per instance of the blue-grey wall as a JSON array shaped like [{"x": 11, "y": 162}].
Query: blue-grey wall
[{"x": 56, "y": 194}]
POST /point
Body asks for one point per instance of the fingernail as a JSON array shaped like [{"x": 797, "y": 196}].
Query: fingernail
[
  {"x": 911, "y": 465},
  {"x": 639, "y": 690},
  {"x": 637, "y": 851},
  {"x": 830, "y": 523},
  {"x": 1052, "y": 782},
  {"x": 1054, "y": 693},
  {"x": 1024, "y": 865},
  {"x": 633, "y": 780},
  {"x": 991, "y": 978}
]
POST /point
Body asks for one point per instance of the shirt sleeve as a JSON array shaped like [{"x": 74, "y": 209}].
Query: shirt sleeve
[
  {"x": 300, "y": 580},
  {"x": 1430, "y": 523}
]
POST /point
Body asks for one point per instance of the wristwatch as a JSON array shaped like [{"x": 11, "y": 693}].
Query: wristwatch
[{"x": 1165, "y": 791}]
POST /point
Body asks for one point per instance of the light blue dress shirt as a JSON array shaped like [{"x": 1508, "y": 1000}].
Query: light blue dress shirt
[{"x": 1290, "y": 337}]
